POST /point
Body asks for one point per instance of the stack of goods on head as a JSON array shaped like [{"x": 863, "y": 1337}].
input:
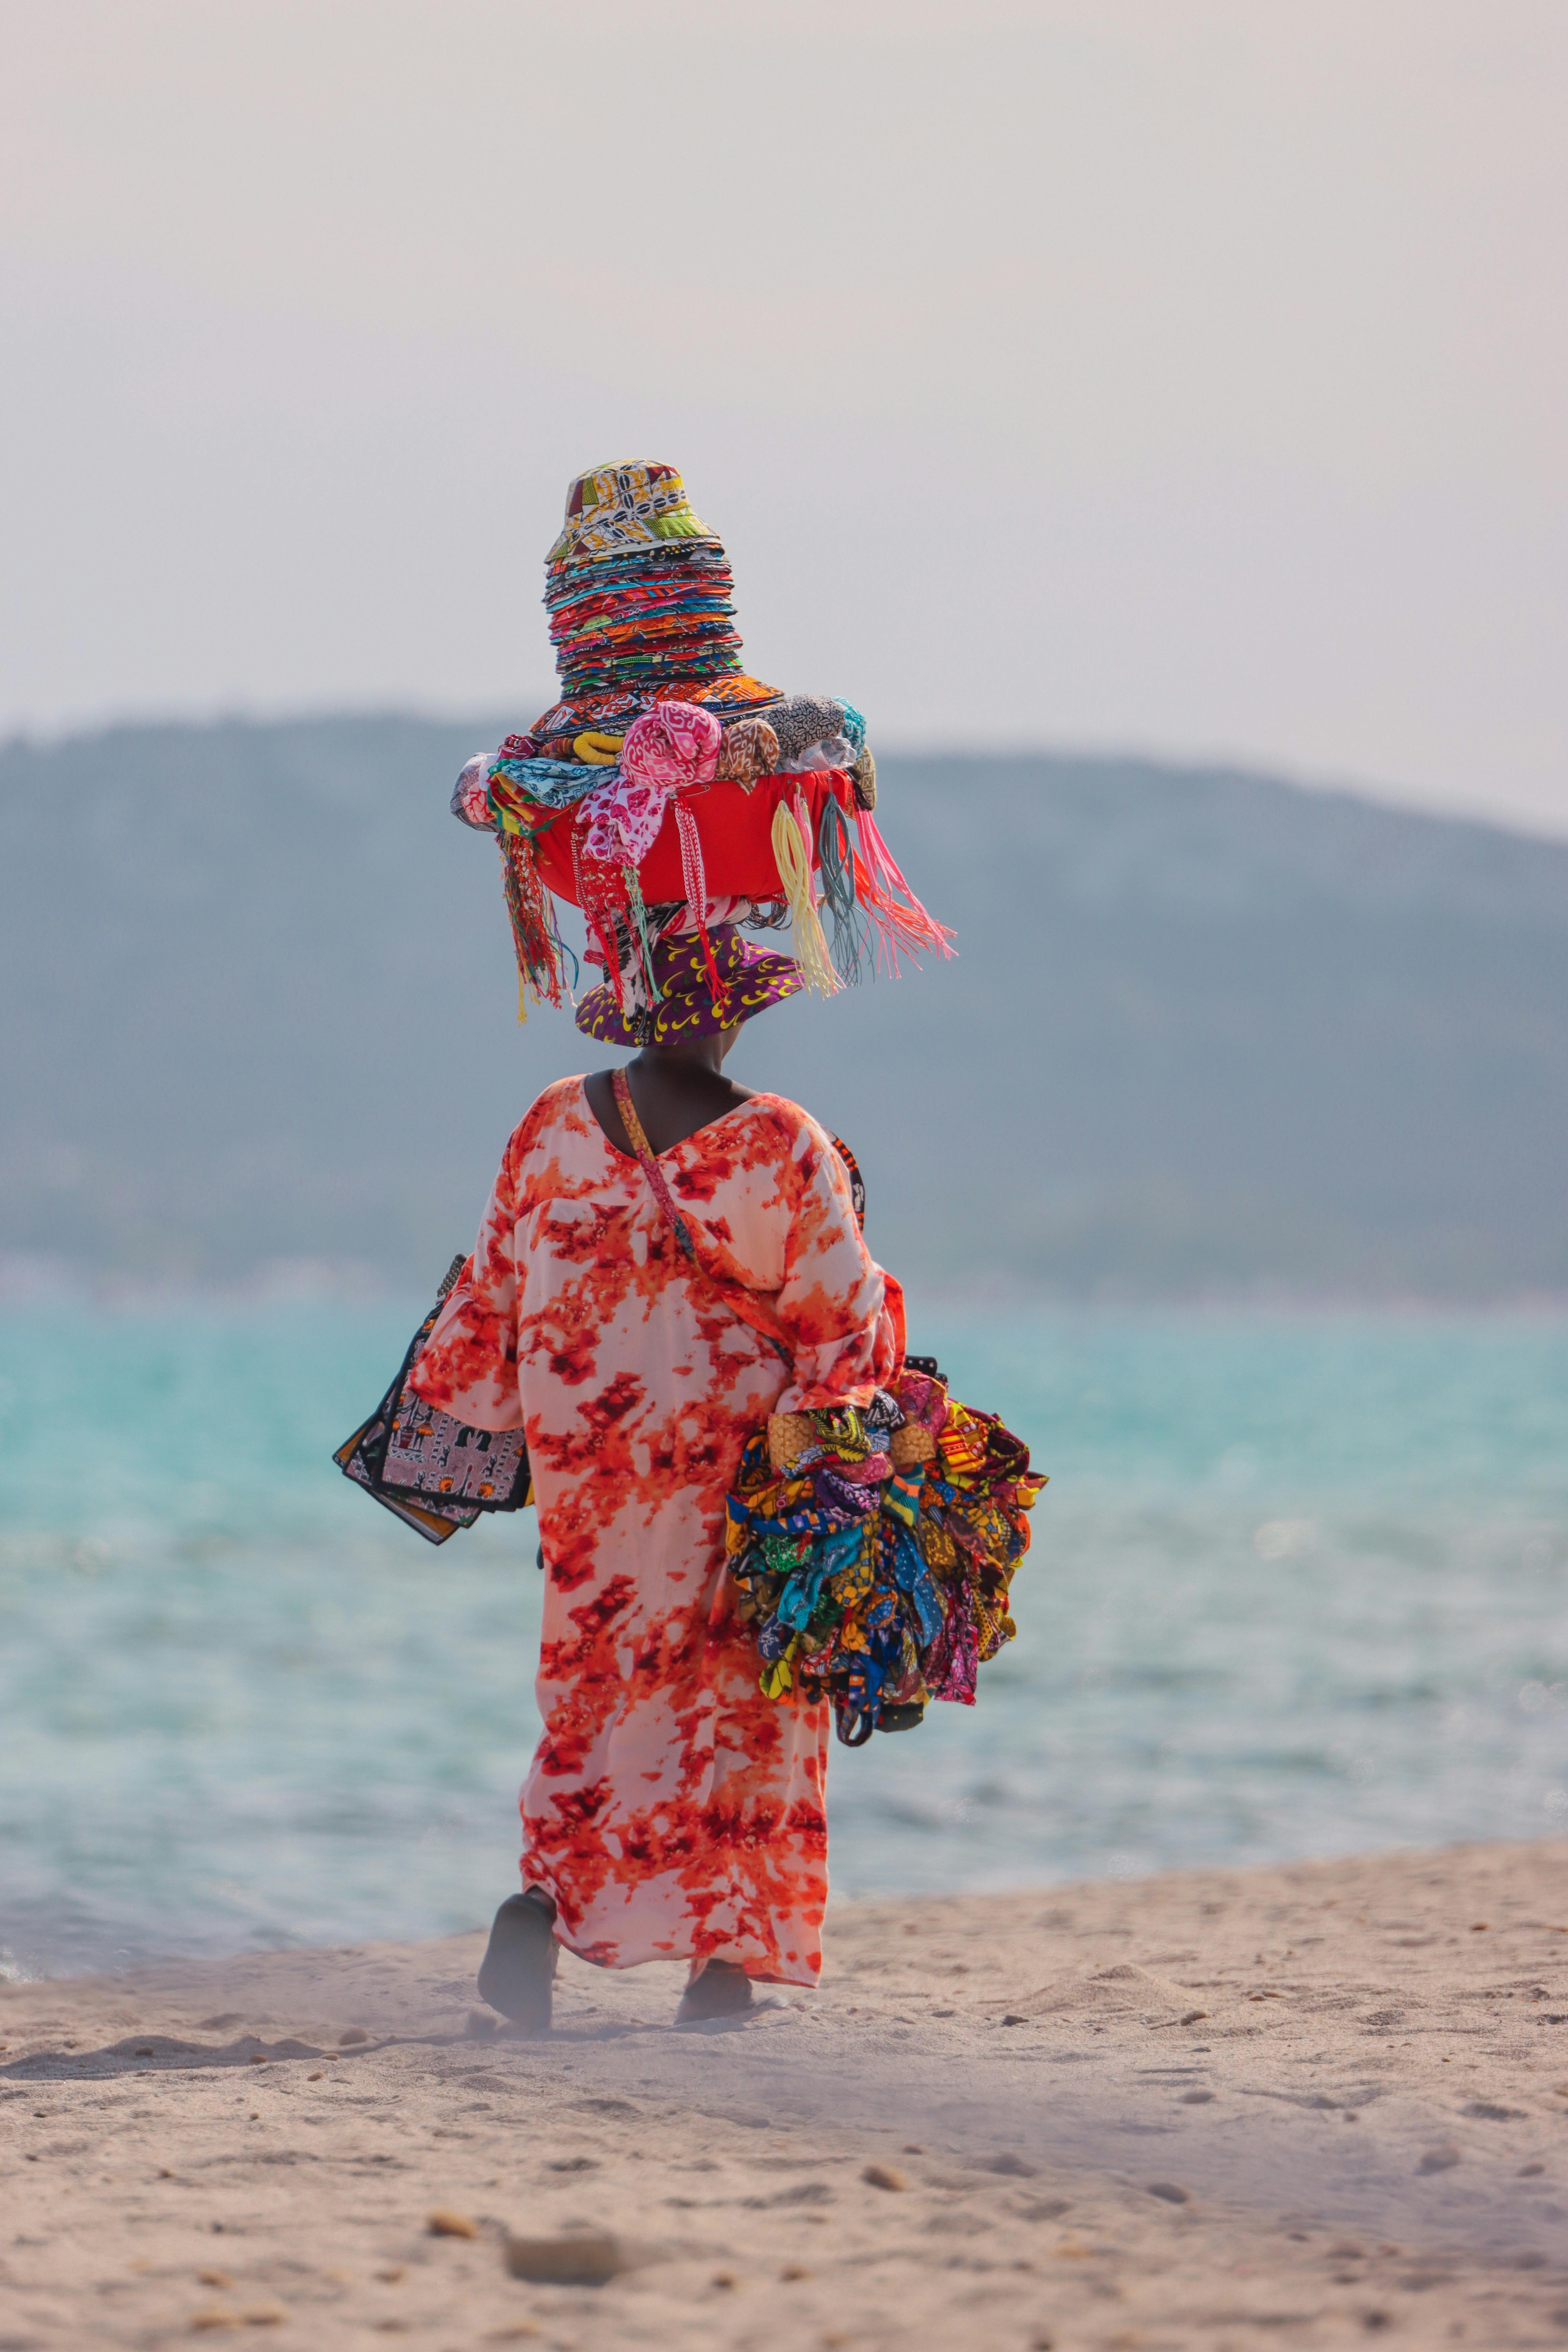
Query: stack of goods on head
[
  {"x": 668, "y": 789},
  {"x": 873, "y": 1550}
]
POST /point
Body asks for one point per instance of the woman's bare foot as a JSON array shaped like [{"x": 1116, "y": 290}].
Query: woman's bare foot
[
  {"x": 721, "y": 1990},
  {"x": 518, "y": 1972}
]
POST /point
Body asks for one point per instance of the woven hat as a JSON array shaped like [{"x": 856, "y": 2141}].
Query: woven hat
[{"x": 617, "y": 510}]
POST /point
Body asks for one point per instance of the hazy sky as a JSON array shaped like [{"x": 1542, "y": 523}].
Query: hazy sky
[{"x": 1184, "y": 374}]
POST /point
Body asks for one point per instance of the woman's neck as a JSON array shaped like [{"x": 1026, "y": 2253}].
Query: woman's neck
[{"x": 675, "y": 1095}]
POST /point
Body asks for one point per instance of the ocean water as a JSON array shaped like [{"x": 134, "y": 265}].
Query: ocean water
[{"x": 1298, "y": 1585}]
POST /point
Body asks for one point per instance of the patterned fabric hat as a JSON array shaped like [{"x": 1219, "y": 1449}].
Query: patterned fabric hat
[
  {"x": 749, "y": 980},
  {"x": 616, "y": 510}
]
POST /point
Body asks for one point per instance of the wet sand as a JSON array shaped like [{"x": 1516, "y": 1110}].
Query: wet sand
[{"x": 1216, "y": 2109}]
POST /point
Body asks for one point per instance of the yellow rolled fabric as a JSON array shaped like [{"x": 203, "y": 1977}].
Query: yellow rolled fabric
[{"x": 597, "y": 751}]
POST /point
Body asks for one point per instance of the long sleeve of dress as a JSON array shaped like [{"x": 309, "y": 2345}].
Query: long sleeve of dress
[
  {"x": 469, "y": 1365},
  {"x": 841, "y": 1314}
]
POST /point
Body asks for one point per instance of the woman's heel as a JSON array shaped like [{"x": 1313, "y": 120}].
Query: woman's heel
[{"x": 517, "y": 1974}]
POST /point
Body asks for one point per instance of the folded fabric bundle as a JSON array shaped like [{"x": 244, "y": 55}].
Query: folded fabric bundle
[
  {"x": 873, "y": 1551},
  {"x": 636, "y": 589},
  {"x": 803, "y": 720},
  {"x": 661, "y": 611}
]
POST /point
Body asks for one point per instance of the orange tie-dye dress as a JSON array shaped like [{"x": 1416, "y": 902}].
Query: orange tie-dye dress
[{"x": 672, "y": 1810}]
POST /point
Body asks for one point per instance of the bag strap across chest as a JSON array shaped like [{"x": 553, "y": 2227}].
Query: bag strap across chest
[{"x": 742, "y": 1304}]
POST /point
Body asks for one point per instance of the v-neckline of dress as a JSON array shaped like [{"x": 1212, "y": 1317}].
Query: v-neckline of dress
[{"x": 707, "y": 1126}]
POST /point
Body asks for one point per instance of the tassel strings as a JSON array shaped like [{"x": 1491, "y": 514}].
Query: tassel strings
[
  {"x": 641, "y": 940},
  {"x": 899, "y": 920},
  {"x": 836, "y": 860},
  {"x": 695, "y": 877},
  {"x": 792, "y": 854},
  {"x": 528, "y": 906},
  {"x": 597, "y": 887}
]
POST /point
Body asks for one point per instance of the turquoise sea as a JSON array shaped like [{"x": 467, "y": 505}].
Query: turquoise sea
[{"x": 1300, "y": 1585}]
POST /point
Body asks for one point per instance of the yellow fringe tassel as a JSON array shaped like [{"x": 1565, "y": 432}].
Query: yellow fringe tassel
[{"x": 791, "y": 854}]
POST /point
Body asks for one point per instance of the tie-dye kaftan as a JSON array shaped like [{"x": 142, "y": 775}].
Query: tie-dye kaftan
[{"x": 672, "y": 1810}]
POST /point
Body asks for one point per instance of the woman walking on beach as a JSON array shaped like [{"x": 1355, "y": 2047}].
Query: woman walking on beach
[
  {"x": 755, "y": 1519},
  {"x": 672, "y": 1811}
]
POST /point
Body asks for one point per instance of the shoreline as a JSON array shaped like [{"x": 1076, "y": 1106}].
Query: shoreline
[{"x": 1218, "y": 2108}]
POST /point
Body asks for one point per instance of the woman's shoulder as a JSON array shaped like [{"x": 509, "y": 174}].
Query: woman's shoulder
[
  {"x": 786, "y": 1126},
  {"x": 557, "y": 1117}
]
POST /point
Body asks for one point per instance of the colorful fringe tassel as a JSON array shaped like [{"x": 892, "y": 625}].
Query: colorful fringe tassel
[
  {"x": 899, "y": 920},
  {"x": 696, "y": 881},
  {"x": 836, "y": 861},
  {"x": 532, "y": 924},
  {"x": 792, "y": 854}
]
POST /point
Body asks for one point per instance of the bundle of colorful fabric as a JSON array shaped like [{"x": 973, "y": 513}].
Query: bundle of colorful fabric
[
  {"x": 666, "y": 776},
  {"x": 655, "y": 613},
  {"x": 873, "y": 1551}
]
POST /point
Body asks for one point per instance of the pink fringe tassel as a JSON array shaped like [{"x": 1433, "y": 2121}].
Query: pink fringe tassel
[
  {"x": 695, "y": 880},
  {"x": 897, "y": 915}
]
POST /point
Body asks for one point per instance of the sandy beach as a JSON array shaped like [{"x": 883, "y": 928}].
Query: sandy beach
[{"x": 1290, "y": 2106}]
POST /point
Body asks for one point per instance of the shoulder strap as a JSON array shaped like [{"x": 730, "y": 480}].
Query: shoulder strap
[{"x": 741, "y": 1303}]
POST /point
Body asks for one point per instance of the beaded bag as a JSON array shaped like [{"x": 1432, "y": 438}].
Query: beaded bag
[{"x": 434, "y": 1473}]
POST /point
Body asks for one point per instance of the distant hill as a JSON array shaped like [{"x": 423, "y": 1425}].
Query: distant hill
[{"x": 1206, "y": 1030}]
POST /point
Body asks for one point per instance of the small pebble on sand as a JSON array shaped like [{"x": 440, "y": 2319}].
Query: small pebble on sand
[
  {"x": 444, "y": 2222},
  {"x": 1439, "y": 2159},
  {"x": 353, "y": 2037},
  {"x": 883, "y": 2176},
  {"x": 582, "y": 2257}
]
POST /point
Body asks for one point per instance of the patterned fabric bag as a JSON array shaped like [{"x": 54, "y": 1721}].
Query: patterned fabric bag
[
  {"x": 874, "y": 1550},
  {"x": 434, "y": 1473}
]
